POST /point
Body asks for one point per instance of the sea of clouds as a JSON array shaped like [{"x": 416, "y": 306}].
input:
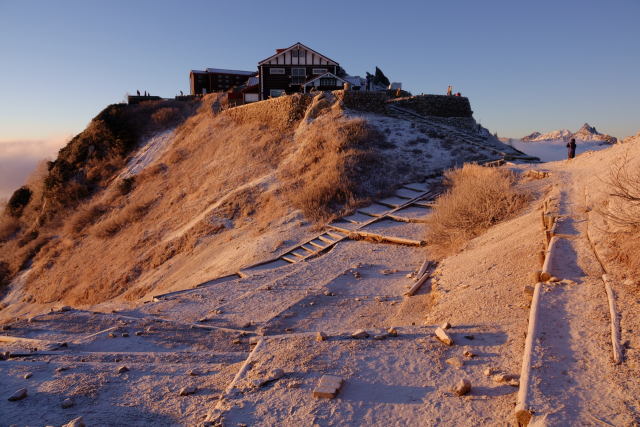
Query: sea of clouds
[{"x": 18, "y": 159}]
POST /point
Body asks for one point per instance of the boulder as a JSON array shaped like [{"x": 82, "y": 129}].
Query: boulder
[
  {"x": 18, "y": 395},
  {"x": 462, "y": 387},
  {"x": 443, "y": 336}
]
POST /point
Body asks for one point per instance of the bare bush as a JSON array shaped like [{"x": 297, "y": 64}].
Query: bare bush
[
  {"x": 623, "y": 211},
  {"x": 336, "y": 167},
  {"x": 86, "y": 216},
  {"x": 477, "y": 198},
  {"x": 121, "y": 219}
]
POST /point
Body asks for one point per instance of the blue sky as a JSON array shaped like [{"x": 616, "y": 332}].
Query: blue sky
[{"x": 526, "y": 66}]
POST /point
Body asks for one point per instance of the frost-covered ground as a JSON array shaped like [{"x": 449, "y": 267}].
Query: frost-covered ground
[{"x": 550, "y": 151}]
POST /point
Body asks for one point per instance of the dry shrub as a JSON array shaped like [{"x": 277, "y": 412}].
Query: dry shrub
[
  {"x": 121, "y": 219},
  {"x": 9, "y": 227},
  {"x": 167, "y": 117},
  {"x": 336, "y": 167},
  {"x": 86, "y": 216},
  {"x": 623, "y": 211},
  {"x": 477, "y": 198}
]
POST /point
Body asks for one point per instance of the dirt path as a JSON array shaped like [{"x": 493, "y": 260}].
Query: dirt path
[{"x": 573, "y": 369}]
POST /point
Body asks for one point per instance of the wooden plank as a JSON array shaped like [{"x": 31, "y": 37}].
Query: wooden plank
[
  {"x": 381, "y": 238},
  {"x": 615, "y": 322},
  {"x": 327, "y": 239},
  {"x": 307, "y": 248},
  {"x": 299, "y": 255},
  {"x": 338, "y": 236},
  {"x": 423, "y": 279},
  {"x": 291, "y": 260},
  {"x": 338, "y": 228},
  {"x": 405, "y": 219},
  {"x": 316, "y": 244},
  {"x": 523, "y": 408}
]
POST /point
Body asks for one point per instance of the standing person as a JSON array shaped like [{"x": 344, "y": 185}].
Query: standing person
[
  {"x": 449, "y": 90},
  {"x": 571, "y": 148},
  {"x": 138, "y": 92}
]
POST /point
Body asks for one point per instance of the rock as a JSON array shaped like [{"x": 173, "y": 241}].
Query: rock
[
  {"x": 328, "y": 387},
  {"x": 554, "y": 279},
  {"x": 125, "y": 334},
  {"x": 61, "y": 368},
  {"x": 455, "y": 362},
  {"x": 388, "y": 271},
  {"x": 360, "y": 334},
  {"x": 203, "y": 320},
  {"x": 380, "y": 337},
  {"x": 392, "y": 332},
  {"x": 321, "y": 336},
  {"x": 273, "y": 375},
  {"x": 535, "y": 277},
  {"x": 469, "y": 337},
  {"x": 112, "y": 335},
  {"x": 27, "y": 375},
  {"x": 506, "y": 378},
  {"x": 294, "y": 384},
  {"x": 488, "y": 372},
  {"x": 462, "y": 387},
  {"x": 468, "y": 353},
  {"x": 236, "y": 341},
  {"x": 253, "y": 340},
  {"x": 185, "y": 391},
  {"x": 6, "y": 327},
  {"x": 76, "y": 422},
  {"x": 443, "y": 336},
  {"x": 193, "y": 373},
  {"x": 246, "y": 325},
  {"x": 64, "y": 308},
  {"x": 139, "y": 333},
  {"x": 122, "y": 369},
  {"x": 446, "y": 325},
  {"x": 329, "y": 294},
  {"x": 18, "y": 395},
  {"x": 288, "y": 329},
  {"x": 544, "y": 276},
  {"x": 357, "y": 275},
  {"x": 218, "y": 311},
  {"x": 67, "y": 403},
  {"x": 357, "y": 299}
]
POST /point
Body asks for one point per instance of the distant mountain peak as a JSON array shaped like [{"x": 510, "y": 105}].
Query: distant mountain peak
[{"x": 585, "y": 133}]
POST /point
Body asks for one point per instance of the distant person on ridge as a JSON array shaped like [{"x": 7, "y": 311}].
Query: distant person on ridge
[
  {"x": 138, "y": 92},
  {"x": 571, "y": 146},
  {"x": 449, "y": 90}
]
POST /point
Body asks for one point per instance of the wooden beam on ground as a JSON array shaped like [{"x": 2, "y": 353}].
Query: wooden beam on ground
[
  {"x": 417, "y": 285},
  {"x": 359, "y": 235},
  {"x": 615, "y": 321},
  {"x": 524, "y": 409}
]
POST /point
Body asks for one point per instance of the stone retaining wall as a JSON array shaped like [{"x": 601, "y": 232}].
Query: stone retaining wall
[
  {"x": 280, "y": 112},
  {"x": 362, "y": 101},
  {"x": 436, "y": 105}
]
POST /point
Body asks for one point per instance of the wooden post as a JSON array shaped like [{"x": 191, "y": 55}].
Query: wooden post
[
  {"x": 523, "y": 401},
  {"x": 615, "y": 324}
]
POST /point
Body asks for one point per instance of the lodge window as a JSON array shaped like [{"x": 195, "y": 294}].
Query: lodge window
[
  {"x": 328, "y": 82},
  {"x": 276, "y": 71},
  {"x": 274, "y": 93},
  {"x": 317, "y": 71},
  {"x": 298, "y": 76},
  {"x": 295, "y": 53}
]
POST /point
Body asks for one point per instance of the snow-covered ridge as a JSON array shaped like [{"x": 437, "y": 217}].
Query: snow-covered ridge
[{"x": 585, "y": 133}]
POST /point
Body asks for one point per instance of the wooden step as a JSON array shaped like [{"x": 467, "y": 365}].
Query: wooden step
[
  {"x": 291, "y": 260},
  {"x": 299, "y": 253},
  {"x": 317, "y": 243},
  {"x": 338, "y": 236},
  {"x": 307, "y": 247},
  {"x": 338, "y": 228},
  {"x": 327, "y": 239}
]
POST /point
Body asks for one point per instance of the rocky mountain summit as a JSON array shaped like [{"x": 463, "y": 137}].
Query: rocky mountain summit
[{"x": 585, "y": 133}]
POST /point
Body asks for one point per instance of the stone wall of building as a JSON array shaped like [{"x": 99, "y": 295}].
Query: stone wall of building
[{"x": 436, "y": 105}]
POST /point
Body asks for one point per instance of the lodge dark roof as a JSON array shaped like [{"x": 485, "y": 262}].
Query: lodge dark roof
[{"x": 280, "y": 51}]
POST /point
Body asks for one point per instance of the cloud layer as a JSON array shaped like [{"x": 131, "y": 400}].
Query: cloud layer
[{"x": 18, "y": 159}]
